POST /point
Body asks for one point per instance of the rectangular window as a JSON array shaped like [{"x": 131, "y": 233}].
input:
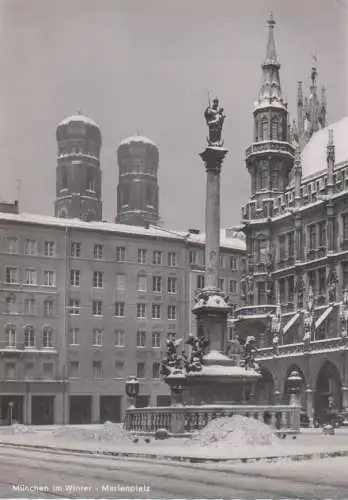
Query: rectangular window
[
  {"x": 221, "y": 283},
  {"x": 119, "y": 309},
  {"x": 141, "y": 339},
  {"x": 140, "y": 370},
  {"x": 30, "y": 277},
  {"x": 141, "y": 311},
  {"x": 172, "y": 259},
  {"x": 156, "y": 339},
  {"x": 121, "y": 282},
  {"x": 291, "y": 244},
  {"x": 312, "y": 237},
  {"x": 97, "y": 337},
  {"x": 141, "y": 256},
  {"x": 157, "y": 257},
  {"x": 30, "y": 247},
  {"x": 75, "y": 249},
  {"x": 345, "y": 275},
  {"x": 98, "y": 279},
  {"x": 222, "y": 261},
  {"x": 10, "y": 371},
  {"x": 193, "y": 257},
  {"x": 11, "y": 336},
  {"x": 282, "y": 291},
  {"x": 232, "y": 286},
  {"x": 172, "y": 285},
  {"x": 200, "y": 281},
  {"x": 172, "y": 311},
  {"x": 29, "y": 370},
  {"x": 49, "y": 249},
  {"x": 119, "y": 338},
  {"x": 29, "y": 306},
  {"x": 12, "y": 245},
  {"x": 74, "y": 336},
  {"x": 291, "y": 289},
  {"x": 98, "y": 251},
  {"x": 282, "y": 247},
  {"x": 233, "y": 262},
  {"x": 345, "y": 226},
  {"x": 120, "y": 254},
  {"x": 47, "y": 337},
  {"x": 97, "y": 308},
  {"x": 74, "y": 369},
  {"x": 322, "y": 234},
  {"x": 11, "y": 304},
  {"x": 47, "y": 370},
  {"x": 322, "y": 281},
  {"x": 312, "y": 281},
  {"x": 262, "y": 297},
  {"x": 156, "y": 284},
  {"x": 49, "y": 278},
  {"x": 156, "y": 370},
  {"x": 74, "y": 306},
  {"x": 97, "y": 369},
  {"x": 11, "y": 275},
  {"x": 156, "y": 311},
  {"x": 142, "y": 283},
  {"x": 75, "y": 275},
  {"x": 29, "y": 337},
  {"x": 119, "y": 369}
]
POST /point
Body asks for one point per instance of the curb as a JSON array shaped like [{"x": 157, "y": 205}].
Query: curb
[{"x": 177, "y": 458}]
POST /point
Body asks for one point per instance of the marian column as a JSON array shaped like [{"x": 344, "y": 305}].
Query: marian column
[{"x": 212, "y": 308}]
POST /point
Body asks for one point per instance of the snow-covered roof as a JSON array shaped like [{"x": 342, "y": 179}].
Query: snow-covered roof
[
  {"x": 78, "y": 118},
  {"x": 215, "y": 370},
  {"x": 47, "y": 220},
  {"x": 228, "y": 239},
  {"x": 314, "y": 153},
  {"x": 138, "y": 138}
]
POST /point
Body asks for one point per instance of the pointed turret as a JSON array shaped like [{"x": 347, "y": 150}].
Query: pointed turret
[
  {"x": 270, "y": 92},
  {"x": 330, "y": 156},
  {"x": 297, "y": 176}
]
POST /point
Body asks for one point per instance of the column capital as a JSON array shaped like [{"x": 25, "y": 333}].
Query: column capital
[{"x": 213, "y": 158}]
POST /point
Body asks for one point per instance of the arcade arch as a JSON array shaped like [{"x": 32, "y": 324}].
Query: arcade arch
[{"x": 328, "y": 388}]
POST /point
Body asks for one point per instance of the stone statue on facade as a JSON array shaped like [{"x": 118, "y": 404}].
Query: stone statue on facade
[
  {"x": 276, "y": 328},
  {"x": 308, "y": 322},
  {"x": 344, "y": 316},
  {"x": 332, "y": 282},
  {"x": 250, "y": 285},
  {"x": 299, "y": 288},
  {"x": 215, "y": 118},
  {"x": 249, "y": 353}
]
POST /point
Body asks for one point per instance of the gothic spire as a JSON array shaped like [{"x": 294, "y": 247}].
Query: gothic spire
[
  {"x": 271, "y": 93},
  {"x": 271, "y": 53}
]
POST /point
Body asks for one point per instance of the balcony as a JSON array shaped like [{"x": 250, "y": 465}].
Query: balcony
[
  {"x": 318, "y": 253},
  {"x": 270, "y": 146},
  {"x": 260, "y": 311},
  {"x": 316, "y": 346}
]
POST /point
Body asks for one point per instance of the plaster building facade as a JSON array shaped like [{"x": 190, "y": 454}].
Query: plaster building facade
[
  {"x": 296, "y": 227},
  {"x": 84, "y": 305}
]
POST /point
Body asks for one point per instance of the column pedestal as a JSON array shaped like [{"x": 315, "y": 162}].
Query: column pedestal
[{"x": 310, "y": 395}]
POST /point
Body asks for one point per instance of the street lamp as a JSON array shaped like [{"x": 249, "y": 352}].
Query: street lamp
[
  {"x": 294, "y": 383},
  {"x": 10, "y": 412},
  {"x": 175, "y": 380},
  {"x": 132, "y": 390}
]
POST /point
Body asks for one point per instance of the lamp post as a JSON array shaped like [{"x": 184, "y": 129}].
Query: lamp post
[
  {"x": 294, "y": 383},
  {"x": 132, "y": 390},
  {"x": 10, "y": 412},
  {"x": 175, "y": 380}
]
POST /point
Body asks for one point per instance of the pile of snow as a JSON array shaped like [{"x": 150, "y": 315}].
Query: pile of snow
[
  {"x": 18, "y": 429},
  {"x": 109, "y": 432},
  {"x": 234, "y": 431}
]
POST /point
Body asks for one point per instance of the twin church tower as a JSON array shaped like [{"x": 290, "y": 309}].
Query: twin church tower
[{"x": 79, "y": 176}]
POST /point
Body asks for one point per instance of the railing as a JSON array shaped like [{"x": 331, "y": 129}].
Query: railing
[
  {"x": 187, "y": 419},
  {"x": 270, "y": 145},
  {"x": 262, "y": 310},
  {"x": 298, "y": 348}
]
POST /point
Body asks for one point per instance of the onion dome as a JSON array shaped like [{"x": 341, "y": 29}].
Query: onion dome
[
  {"x": 80, "y": 127},
  {"x": 138, "y": 139}
]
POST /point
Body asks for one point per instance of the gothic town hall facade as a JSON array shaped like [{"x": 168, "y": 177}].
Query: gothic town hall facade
[{"x": 295, "y": 285}]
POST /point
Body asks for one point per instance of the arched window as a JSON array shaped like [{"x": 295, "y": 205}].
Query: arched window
[
  {"x": 47, "y": 336},
  {"x": 29, "y": 336},
  {"x": 11, "y": 305},
  {"x": 264, "y": 126},
  {"x": 11, "y": 335},
  {"x": 90, "y": 180},
  {"x": 275, "y": 128}
]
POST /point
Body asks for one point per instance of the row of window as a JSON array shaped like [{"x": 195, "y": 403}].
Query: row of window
[
  {"x": 121, "y": 281},
  {"x": 120, "y": 309},
  {"x": 230, "y": 286},
  {"x": 47, "y": 338},
  {"x": 30, "y": 306},
  {"x": 196, "y": 257},
  {"x": 97, "y": 369},
  {"x": 30, "y": 370},
  {"x": 30, "y": 277}
]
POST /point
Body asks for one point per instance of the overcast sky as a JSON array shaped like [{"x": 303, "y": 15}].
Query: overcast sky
[{"x": 146, "y": 66}]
